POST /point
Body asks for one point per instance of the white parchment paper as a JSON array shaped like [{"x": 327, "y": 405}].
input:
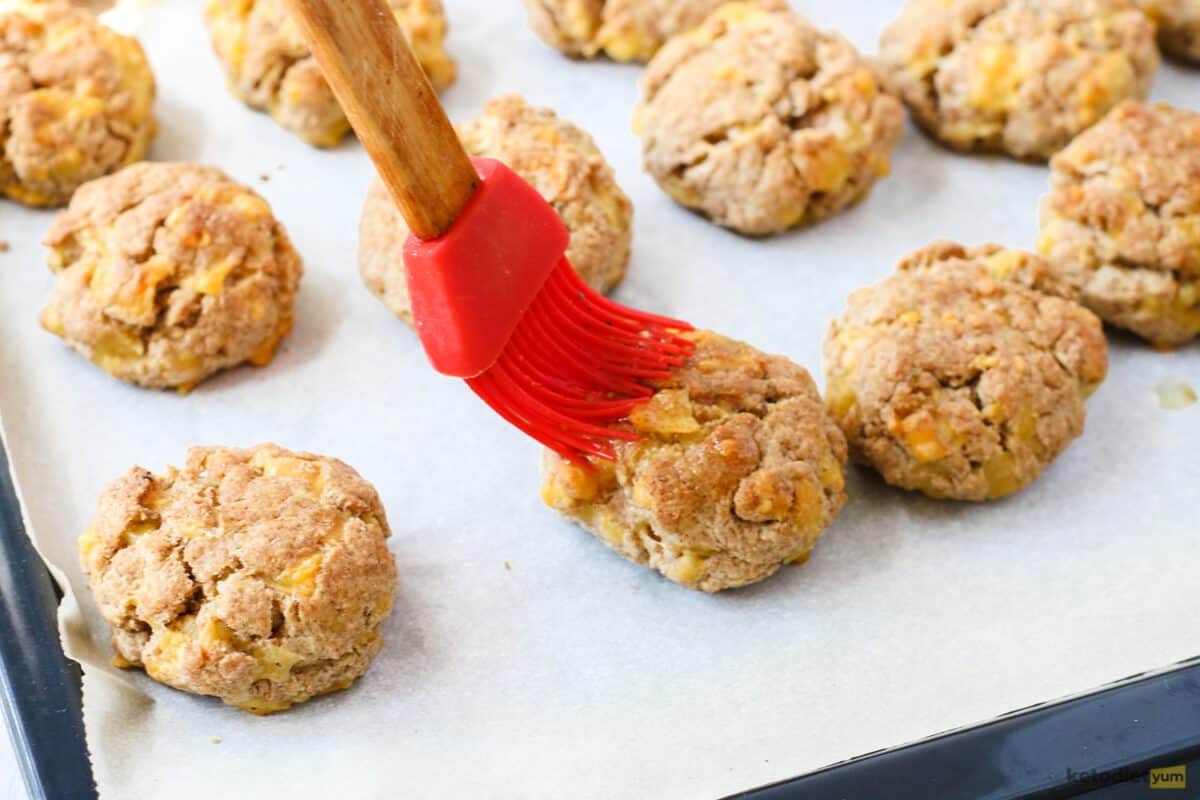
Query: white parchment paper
[{"x": 574, "y": 673}]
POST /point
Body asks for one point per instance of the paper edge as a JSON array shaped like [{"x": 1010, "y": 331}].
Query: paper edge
[{"x": 74, "y": 636}]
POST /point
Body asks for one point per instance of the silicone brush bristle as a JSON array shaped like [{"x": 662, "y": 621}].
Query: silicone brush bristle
[
  {"x": 578, "y": 362},
  {"x": 497, "y": 303}
]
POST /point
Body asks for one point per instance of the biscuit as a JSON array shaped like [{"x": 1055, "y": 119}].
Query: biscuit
[
  {"x": 1178, "y": 26},
  {"x": 954, "y": 378},
  {"x": 1122, "y": 221},
  {"x": 1021, "y": 77},
  {"x": 258, "y": 576},
  {"x": 270, "y": 68},
  {"x": 739, "y": 470},
  {"x": 761, "y": 122},
  {"x": 76, "y": 102},
  {"x": 169, "y": 272},
  {"x": 560, "y": 160},
  {"x": 623, "y": 30}
]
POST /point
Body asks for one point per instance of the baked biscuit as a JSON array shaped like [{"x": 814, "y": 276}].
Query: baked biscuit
[
  {"x": 258, "y": 576},
  {"x": 271, "y": 69},
  {"x": 1122, "y": 221},
  {"x": 954, "y": 379},
  {"x": 1178, "y": 26},
  {"x": 167, "y": 273},
  {"x": 1021, "y": 77},
  {"x": 761, "y": 122},
  {"x": 738, "y": 471},
  {"x": 560, "y": 160},
  {"x": 76, "y": 102},
  {"x": 623, "y": 30}
]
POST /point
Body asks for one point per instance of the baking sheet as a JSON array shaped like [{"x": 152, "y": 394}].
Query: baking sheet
[{"x": 570, "y": 672}]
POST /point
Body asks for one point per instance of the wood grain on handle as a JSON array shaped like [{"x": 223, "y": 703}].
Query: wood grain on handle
[{"x": 392, "y": 107}]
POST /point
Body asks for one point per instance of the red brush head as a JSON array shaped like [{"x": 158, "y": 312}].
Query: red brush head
[
  {"x": 471, "y": 286},
  {"x": 496, "y": 302},
  {"x": 577, "y": 363}
]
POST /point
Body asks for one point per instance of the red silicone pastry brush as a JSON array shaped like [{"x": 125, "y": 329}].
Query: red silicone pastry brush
[{"x": 494, "y": 298}]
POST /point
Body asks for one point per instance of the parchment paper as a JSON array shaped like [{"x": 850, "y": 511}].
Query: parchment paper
[{"x": 574, "y": 673}]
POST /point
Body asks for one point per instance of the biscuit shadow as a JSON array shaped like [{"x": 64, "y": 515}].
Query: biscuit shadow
[
  {"x": 1123, "y": 341},
  {"x": 395, "y": 672},
  {"x": 319, "y": 311},
  {"x": 962, "y": 520},
  {"x": 861, "y": 541},
  {"x": 490, "y": 77},
  {"x": 182, "y": 131},
  {"x": 407, "y": 653},
  {"x": 914, "y": 130},
  {"x": 887, "y": 202},
  {"x": 1192, "y": 68},
  {"x": 912, "y": 176}
]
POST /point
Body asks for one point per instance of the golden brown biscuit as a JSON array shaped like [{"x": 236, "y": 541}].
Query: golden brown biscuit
[
  {"x": 624, "y": 30},
  {"x": 258, "y": 576},
  {"x": 76, "y": 102},
  {"x": 559, "y": 159},
  {"x": 168, "y": 273},
  {"x": 270, "y": 68},
  {"x": 739, "y": 470},
  {"x": 1178, "y": 26},
  {"x": 1121, "y": 224},
  {"x": 1017, "y": 76},
  {"x": 954, "y": 379},
  {"x": 761, "y": 122}
]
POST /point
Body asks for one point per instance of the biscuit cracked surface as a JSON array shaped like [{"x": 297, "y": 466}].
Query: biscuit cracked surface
[
  {"x": 1122, "y": 221},
  {"x": 1021, "y": 77},
  {"x": 271, "y": 69},
  {"x": 258, "y": 576},
  {"x": 76, "y": 102},
  {"x": 557, "y": 158},
  {"x": 623, "y": 30},
  {"x": 954, "y": 378},
  {"x": 761, "y": 122},
  {"x": 1178, "y": 26},
  {"x": 739, "y": 470},
  {"x": 169, "y": 272}
]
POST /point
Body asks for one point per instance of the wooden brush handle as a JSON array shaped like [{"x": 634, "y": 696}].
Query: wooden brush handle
[{"x": 392, "y": 107}]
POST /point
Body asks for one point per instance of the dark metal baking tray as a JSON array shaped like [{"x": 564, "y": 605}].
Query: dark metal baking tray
[{"x": 39, "y": 686}]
